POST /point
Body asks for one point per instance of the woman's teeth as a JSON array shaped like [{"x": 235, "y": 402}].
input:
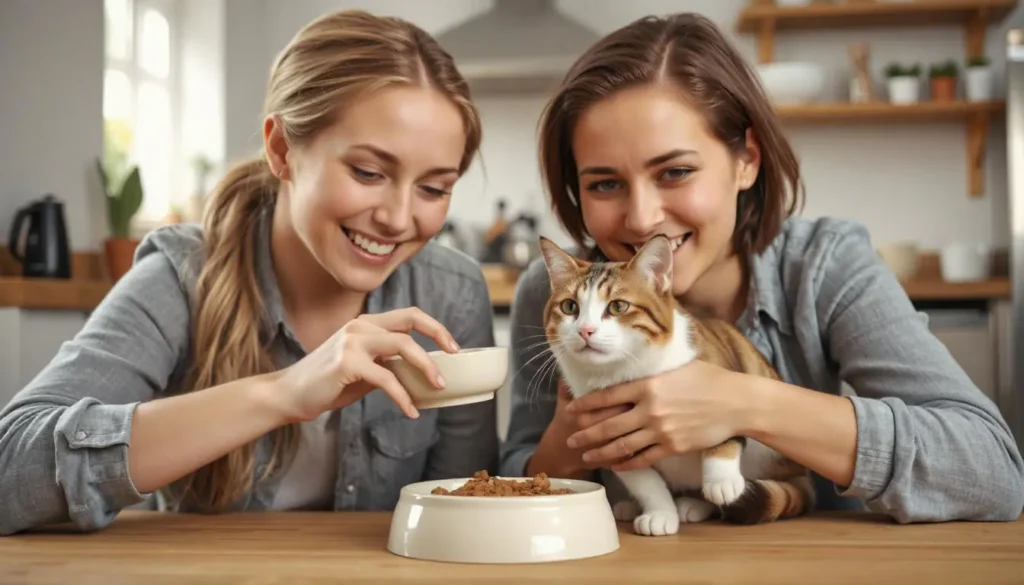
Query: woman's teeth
[
  {"x": 674, "y": 242},
  {"x": 375, "y": 248}
]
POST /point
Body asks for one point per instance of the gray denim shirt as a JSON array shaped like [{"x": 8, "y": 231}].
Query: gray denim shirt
[
  {"x": 64, "y": 438},
  {"x": 823, "y": 308}
]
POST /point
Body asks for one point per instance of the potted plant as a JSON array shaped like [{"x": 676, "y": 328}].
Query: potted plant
[
  {"x": 978, "y": 79},
  {"x": 943, "y": 77},
  {"x": 904, "y": 83},
  {"x": 123, "y": 202}
]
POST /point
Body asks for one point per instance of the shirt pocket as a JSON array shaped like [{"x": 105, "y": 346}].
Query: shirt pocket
[{"x": 398, "y": 455}]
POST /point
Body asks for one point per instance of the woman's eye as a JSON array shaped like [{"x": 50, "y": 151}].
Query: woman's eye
[
  {"x": 676, "y": 174},
  {"x": 569, "y": 307},
  {"x": 618, "y": 307},
  {"x": 365, "y": 174},
  {"x": 603, "y": 186},
  {"x": 434, "y": 191}
]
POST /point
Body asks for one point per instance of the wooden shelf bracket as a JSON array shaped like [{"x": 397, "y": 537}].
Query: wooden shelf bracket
[{"x": 977, "y": 135}]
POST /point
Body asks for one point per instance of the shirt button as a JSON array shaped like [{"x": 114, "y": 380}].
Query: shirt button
[
  {"x": 350, "y": 488},
  {"x": 81, "y": 435}
]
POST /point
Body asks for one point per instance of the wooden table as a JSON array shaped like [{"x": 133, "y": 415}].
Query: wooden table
[{"x": 153, "y": 548}]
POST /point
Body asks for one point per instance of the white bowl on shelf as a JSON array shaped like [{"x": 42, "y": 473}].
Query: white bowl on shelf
[
  {"x": 493, "y": 530},
  {"x": 471, "y": 375},
  {"x": 790, "y": 83}
]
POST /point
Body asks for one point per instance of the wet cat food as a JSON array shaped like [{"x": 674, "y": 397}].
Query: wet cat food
[{"x": 482, "y": 484}]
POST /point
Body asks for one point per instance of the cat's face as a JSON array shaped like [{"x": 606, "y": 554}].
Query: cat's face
[{"x": 609, "y": 313}]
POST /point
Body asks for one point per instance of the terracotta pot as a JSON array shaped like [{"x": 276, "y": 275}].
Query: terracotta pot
[
  {"x": 119, "y": 254},
  {"x": 943, "y": 89}
]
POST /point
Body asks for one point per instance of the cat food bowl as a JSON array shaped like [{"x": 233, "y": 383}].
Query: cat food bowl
[
  {"x": 471, "y": 375},
  {"x": 503, "y": 529}
]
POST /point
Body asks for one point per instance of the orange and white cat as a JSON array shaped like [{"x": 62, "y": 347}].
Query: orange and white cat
[{"x": 613, "y": 322}]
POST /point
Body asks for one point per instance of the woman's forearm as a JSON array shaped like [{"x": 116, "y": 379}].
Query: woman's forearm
[
  {"x": 173, "y": 437},
  {"x": 554, "y": 458},
  {"x": 815, "y": 429}
]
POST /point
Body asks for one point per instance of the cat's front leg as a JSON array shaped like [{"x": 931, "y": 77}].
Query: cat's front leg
[
  {"x": 723, "y": 482},
  {"x": 659, "y": 515}
]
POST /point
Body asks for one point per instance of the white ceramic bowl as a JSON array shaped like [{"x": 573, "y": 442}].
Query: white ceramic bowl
[
  {"x": 472, "y": 375},
  {"x": 792, "y": 82},
  {"x": 513, "y": 529},
  {"x": 965, "y": 262},
  {"x": 901, "y": 257}
]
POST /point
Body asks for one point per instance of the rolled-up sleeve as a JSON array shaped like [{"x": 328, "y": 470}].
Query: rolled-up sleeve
[
  {"x": 930, "y": 445},
  {"x": 468, "y": 433},
  {"x": 533, "y": 395},
  {"x": 64, "y": 438}
]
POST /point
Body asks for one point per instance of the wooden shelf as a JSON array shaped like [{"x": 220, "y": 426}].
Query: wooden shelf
[
  {"x": 47, "y": 293},
  {"x": 976, "y": 117},
  {"x": 940, "y": 290},
  {"x": 868, "y": 13},
  {"x": 764, "y": 18}
]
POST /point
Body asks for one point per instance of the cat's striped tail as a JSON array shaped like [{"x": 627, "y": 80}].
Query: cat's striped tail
[{"x": 767, "y": 500}]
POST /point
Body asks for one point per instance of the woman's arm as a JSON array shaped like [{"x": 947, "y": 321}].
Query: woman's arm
[
  {"x": 85, "y": 437},
  {"x": 469, "y": 433},
  {"x": 924, "y": 443}
]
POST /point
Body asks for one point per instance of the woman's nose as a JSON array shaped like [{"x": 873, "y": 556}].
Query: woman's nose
[
  {"x": 394, "y": 214},
  {"x": 644, "y": 212}
]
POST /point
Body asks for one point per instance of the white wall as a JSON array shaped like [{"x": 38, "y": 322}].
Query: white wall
[
  {"x": 51, "y": 100},
  {"x": 920, "y": 192}
]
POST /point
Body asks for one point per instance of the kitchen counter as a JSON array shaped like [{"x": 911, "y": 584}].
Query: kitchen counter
[{"x": 350, "y": 547}]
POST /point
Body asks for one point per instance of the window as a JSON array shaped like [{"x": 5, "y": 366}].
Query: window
[{"x": 139, "y": 99}]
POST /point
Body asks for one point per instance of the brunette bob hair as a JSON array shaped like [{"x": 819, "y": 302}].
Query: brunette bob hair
[{"x": 689, "y": 51}]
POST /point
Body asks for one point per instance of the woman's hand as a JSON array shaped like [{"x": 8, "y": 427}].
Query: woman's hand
[
  {"x": 552, "y": 456},
  {"x": 346, "y": 367},
  {"x": 693, "y": 407}
]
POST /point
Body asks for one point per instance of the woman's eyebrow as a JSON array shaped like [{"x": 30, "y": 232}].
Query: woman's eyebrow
[{"x": 655, "y": 161}]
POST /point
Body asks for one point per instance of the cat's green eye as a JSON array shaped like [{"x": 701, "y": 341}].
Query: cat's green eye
[
  {"x": 618, "y": 307},
  {"x": 569, "y": 307}
]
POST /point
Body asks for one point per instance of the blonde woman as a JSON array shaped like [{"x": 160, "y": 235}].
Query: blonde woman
[{"x": 233, "y": 368}]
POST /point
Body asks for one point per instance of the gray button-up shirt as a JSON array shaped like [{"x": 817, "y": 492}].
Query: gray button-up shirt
[
  {"x": 823, "y": 308},
  {"x": 64, "y": 438}
]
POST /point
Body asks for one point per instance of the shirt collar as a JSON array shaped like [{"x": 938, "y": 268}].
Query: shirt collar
[{"x": 266, "y": 279}]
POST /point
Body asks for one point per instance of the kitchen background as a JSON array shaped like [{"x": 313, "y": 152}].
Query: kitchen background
[{"x": 179, "y": 83}]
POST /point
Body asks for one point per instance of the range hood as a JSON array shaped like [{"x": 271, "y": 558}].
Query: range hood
[{"x": 518, "y": 46}]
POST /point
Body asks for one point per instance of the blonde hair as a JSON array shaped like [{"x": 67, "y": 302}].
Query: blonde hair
[{"x": 328, "y": 63}]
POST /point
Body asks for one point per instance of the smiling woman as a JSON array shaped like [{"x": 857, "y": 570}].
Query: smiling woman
[
  {"x": 236, "y": 366},
  {"x": 661, "y": 128}
]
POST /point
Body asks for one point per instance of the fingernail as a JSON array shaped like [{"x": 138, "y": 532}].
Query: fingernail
[
  {"x": 571, "y": 407},
  {"x": 454, "y": 345},
  {"x": 587, "y": 456},
  {"x": 571, "y": 442},
  {"x": 440, "y": 381},
  {"x": 413, "y": 413}
]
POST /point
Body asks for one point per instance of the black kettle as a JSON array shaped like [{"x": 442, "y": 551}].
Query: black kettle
[{"x": 46, "y": 253}]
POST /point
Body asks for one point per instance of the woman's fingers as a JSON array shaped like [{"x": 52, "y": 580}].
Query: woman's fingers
[
  {"x": 414, "y": 319},
  {"x": 624, "y": 446},
  {"x": 643, "y": 459},
  {"x": 607, "y": 430},
  {"x": 589, "y": 419},
  {"x": 382, "y": 378},
  {"x": 389, "y": 344}
]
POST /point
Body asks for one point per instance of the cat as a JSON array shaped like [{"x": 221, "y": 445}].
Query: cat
[{"x": 613, "y": 322}]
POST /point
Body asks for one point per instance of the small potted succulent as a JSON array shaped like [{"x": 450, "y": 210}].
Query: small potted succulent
[
  {"x": 904, "y": 83},
  {"x": 978, "y": 79},
  {"x": 123, "y": 202},
  {"x": 942, "y": 80}
]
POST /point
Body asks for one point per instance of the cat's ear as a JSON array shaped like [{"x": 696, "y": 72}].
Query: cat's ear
[
  {"x": 561, "y": 265},
  {"x": 654, "y": 262}
]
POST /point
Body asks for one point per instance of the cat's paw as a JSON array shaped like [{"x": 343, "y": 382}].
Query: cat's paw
[
  {"x": 657, "y": 523},
  {"x": 694, "y": 510},
  {"x": 724, "y": 490},
  {"x": 625, "y": 511}
]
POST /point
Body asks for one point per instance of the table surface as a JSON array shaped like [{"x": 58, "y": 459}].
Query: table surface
[{"x": 350, "y": 547}]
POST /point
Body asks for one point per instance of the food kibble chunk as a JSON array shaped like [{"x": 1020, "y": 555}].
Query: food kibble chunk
[{"x": 482, "y": 484}]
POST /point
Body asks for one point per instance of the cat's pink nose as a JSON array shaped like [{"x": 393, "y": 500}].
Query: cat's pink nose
[{"x": 586, "y": 332}]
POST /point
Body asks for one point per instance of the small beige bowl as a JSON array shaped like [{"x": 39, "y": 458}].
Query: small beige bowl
[
  {"x": 472, "y": 375},
  {"x": 514, "y": 529}
]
